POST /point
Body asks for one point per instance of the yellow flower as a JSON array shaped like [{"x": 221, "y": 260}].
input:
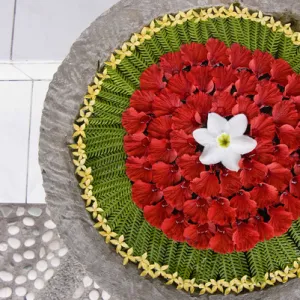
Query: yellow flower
[
  {"x": 189, "y": 285},
  {"x": 172, "y": 278},
  {"x": 296, "y": 38},
  {"x": 97, "y": 83},
  {"x": 148, "y": 270},
  {"x": 202, "y": 16},
  {"x": 94, "y": 209},
  {"x": 101, "y": 222},
  {"x": 86, "y": 184},
  {"x": 108, "y": 234},
  {"x": 180, "y": 283},
  {"x": 133, "y": 42},
  {"x": 152, "y": 29},
  {"x": 160, "y": 270},
  {"x": 123, "y": 52},
  {"x": 88, "y": 197},
  {"x": 262, "y": 19},
  {"x": 79, "y": 145},
  {"x": 253, "y": 16},
  {"x": 103, "y": 75},
  {"x": 202, "y": 288},
  {"x": 241, "y": 13},
  {"x": 164, "y": 22},
  {"x": 214, "y": 285},
  {"x": 119, "y": 243},
  {"x": 286, "y": 29},
  {"x": 213, "y": 12},
  {"x": 113, "y": 62},
  {"x": 128, "y": 256},
  {"x": 80, "y": 164},
  {"x": 285, "y": 274},
  {"x": 273, "y": 25},
  {"x": 79, "y": 130},
  {"x": 143, "y": 261},
  {"x": 84, "y": 117},
  {"x": 230, "y": 286},
  {"x": 88, "y": 105},
  {"x": 266, "y": 281},
  {"x": 92, "y": 93},
  {"x": 176, "y": 20},
  {"x": 86, "y": 174}
]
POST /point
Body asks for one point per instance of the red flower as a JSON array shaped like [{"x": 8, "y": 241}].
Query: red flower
[
  {"x": 245, "y": 106},
  {"x": 178, "y": 194},
  {"x": 193, "y": 53},
  {"x": 261, "y": 63},
  {"x": 202, "y": 103},
  {"x": 145, "y": 194},
  {"x": 285, "y": 112},
  {"x": 133, "y": 121},
  {"x": 224, "y": 78},
  {"x": 295, "y": 186},
  {"x": 223, "y": 104},
  {"x": 138, "y": 169},
  {"x": 222, "y": 242},
  {"x": 245, "y": 236},
  {"x": 220, "y": 212},
  {"x": 207, "y": 185},
  {"x": 182, "y": 143},
  {"x": 245, "y": 207},
  {"x": 190, "y": 166},
  {"x": 264, "y": 151},
  {"x": 152, "y": 79},
  {"x": 230, "y": 182},
  {"x": 240, "y": 56},
  {"x": 161, "y": 150},
  {"x": 262, "y": 127},
  {"x": 197, "y": 209},
  {"x": 165, "y": 103},
  {"x": 198, "y": 236},
  {"x": 187, "y": 119},
  {"x": 280, "y": 71},
  {"x": 217, "y": 52},
  {"x": 174, "y": 226},
  {"x": 136, "y": 144},
  {"x": 264, "y": 195},
  {"x": 165, "y": 175},
  {"x": 246, "y": 83},
  {"x": 268, "y": 94},
  {"x": 179, "y": 85},
  {"x": 171, "y": 63},
  {"x": 282, "y": 155},
  {"x": 253, "y": 172},
  {"x": 142, "y": 100},
  {"x": 281, "y": 220},
  {"x": 278, "y": 176},
  {"x": 160, "y": 127},
  {"x": 288, "y": 135},
  {"x": 156, "y": 214},
  {"x": 291, "y": 204},
  {"x": 200, "y": 77},
  {"x": 297, "y": 168},
  {"x": 265, "y": 230},
  {"x": 293, "y": 86}
]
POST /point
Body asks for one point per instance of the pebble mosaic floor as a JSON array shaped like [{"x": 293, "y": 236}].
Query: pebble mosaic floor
[{"x": 32, "y": 255}]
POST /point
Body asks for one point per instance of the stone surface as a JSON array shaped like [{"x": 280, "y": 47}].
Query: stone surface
[{"x": 62, "y": 104}]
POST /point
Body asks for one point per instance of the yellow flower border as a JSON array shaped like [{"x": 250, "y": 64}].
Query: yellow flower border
[{"x": 155, "y": 270}]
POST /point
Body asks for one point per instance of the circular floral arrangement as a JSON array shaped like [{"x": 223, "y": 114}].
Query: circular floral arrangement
[{"x": 187, "y": 150}]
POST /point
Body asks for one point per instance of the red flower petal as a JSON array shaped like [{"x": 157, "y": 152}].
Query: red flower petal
[
  {"x": 165, "y": 103},
  {"x": 223, "y": 104},
  {"x": 245, "y": 237},
  {"x": 278, "y": 176},
  {"x": 145, "y": 193},
  {"x": 198, "y": 236},
  {"x": 220, "y": 212},
  {"x": 230, "y": 182},
  {"x": 264, "y": 195},
  {"x": 288, "y": 135},
  {"x": 282, "y": 155},
  {"x": 223, "y": 77},
  {"x": 245, "y": 106},
  {"x": 291, "y": 204},
  {"x": 207, "y": 185},
  {"x": 217, "y": 52},
  {"x": 156, "y": 214},
  {"x": 253, "y": 172},
  {"x": 173, "y": 227},
  {"x": 200, "y": 77},
  {"x": 197, "y": 209},
  {"x": 240, "y": 56},
  {"x": 190, "y": 166},
  {"x": 222, "y": 241},
  {"x": 295, "y": 186},
  {"x": 280, "y": 71},
  {"x": 285, "y": 112},
  {"x": 142, "y": 101},
  {"x": 193, "y": 53},
  {"x": 136, "y": 144},
  {"x": 265, "y": 230},
  {"x": 297, "y": 168},
  {"x": 160, "y": 127},
  {"x": 177, "y": 195},
  {"x": 182, "y": 143},
  {"x": 293, "y": 86},
  {"x": 171, "y": 63},
  {"x": 133, "y": 121},
  {"x": 138, "y": 168},
  {"x": 245, "y": 207},
  {"x": 261, "y": 63},
  {"x": 165, "y": 175},
  {"x": 262, "y": 127},
  {"x": 268, "y": 94},
  {"x": 152, "y": 79},
  {"x": 187, "y": 119},
  {"x": 264, "y": 151},
  {"x": 281, "y": 220},
  {"x": 179, "y": 85},
  {"x": 161, "y": 150},
  {"x": 246, "y": 83}
]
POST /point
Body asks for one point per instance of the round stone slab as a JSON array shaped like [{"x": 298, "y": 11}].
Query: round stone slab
[{"x": 62, "y": 105}]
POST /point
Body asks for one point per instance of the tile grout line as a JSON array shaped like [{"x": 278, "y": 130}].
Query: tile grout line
[
  {"x": 28, "y": 147},
  {"x": 13, "y": 30}
]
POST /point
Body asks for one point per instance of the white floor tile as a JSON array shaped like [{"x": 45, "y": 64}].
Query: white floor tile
[
  {"x": 15, "y": 98},
  {"x": 35, "y": 190},
  {"x": 9, "y": 72},
  {"x": 38, "y": 71}
]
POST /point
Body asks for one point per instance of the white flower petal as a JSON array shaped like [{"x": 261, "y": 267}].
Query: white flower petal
[
  {"x": 242, "y": 144},
  {"x": 216, "y": 124},
  {"x": 238, "y": 125},
  {"x": 211, "y": 155},
  {"x": 231, "y": 160},
  {"x": 203, "y": 137}
]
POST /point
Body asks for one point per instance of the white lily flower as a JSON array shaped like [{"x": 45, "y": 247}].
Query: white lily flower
[{"x": 224, "y": 141}]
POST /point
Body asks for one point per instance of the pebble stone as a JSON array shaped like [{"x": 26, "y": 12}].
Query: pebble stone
[
  {"x": 6, "y": 276},
  {"x": 42, "y": 266},
  {"x": 14, "y": 243},
  {"x": 29, "y": 242},
  {"x": 87, "y": 281},
  {"x": 3, "y": 247},
  {"x": 20, "y": 279},
  {"x": 48, "y": 274},
  {"x": 42, "y": 252},
  {"x": 54, "y": 245},
  {"x": 94, "y": 295},
  {"x": 17, "y": 257},
  {"x": 20, "y": 291},
  {"x": 62, "y": 252},
  {"x": 96, "y": 286},
  {"x": 5, "y": 292},
  {"x": 35, "y": 211},
  {"x": 50, "y": 255},
  {"x": 78, "y": 292},
  {"x": 105, "y": 295},
  {"x": 47, "y": 236},
  {"x": 49, "y": 224},
  {"x": 32, "y": 275},
  {"x": 30, "y": 296},
  {"x": 28, "y": 221},
  {"x": 29, "y": 254},
  {"x": 20, "y": 211},
  {"x": 39, "y": 284},
  {"x": 55, "y": 262},
  {"x": 13, "y": 230},
  {"x": 35, "y": 232}
]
